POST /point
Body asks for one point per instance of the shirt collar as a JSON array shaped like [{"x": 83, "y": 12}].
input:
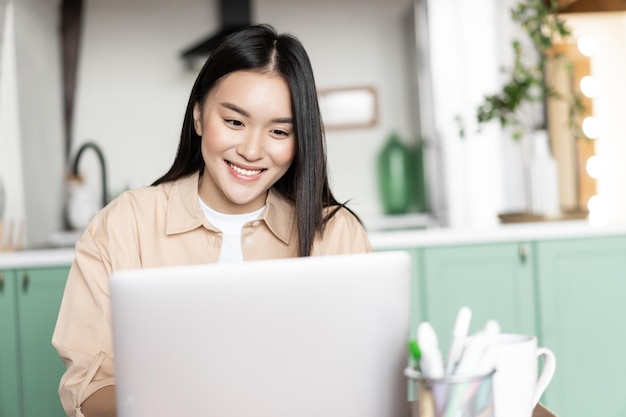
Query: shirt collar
[
  {"x": 279, "y": 215},
  {"x": 184, "y": 212}
]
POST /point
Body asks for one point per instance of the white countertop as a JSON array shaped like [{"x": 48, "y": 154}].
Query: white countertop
[
  {"x": 37, "y": 258},
  {"x": 521, "y": 232}
]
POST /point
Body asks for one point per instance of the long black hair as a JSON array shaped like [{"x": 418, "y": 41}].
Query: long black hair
[{"x": 305, "y": 183}]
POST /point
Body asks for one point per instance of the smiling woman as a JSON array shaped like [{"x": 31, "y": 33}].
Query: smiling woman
[
  {"x": 249, "y": 181},
  {"x": 248, "y": 140}
]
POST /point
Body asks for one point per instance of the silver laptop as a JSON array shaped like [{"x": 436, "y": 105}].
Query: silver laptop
[{"x": 300, "y": 337}]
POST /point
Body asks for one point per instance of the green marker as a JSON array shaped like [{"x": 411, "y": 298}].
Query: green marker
[{"x": 414, "y": 349}]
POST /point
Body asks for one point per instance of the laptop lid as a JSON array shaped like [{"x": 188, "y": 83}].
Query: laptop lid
[{"x": 308, "y": 337}]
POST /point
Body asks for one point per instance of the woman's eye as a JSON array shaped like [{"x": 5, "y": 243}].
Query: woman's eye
[
  {"x": 279, "y": 132},
  {"x": 234, "y": 122}
]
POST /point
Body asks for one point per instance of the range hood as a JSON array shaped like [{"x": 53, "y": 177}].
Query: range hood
[{"x": 234, "y": 15}]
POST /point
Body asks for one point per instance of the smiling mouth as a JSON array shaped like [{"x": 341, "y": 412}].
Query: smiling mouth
[{"x": 242, "y": 171}]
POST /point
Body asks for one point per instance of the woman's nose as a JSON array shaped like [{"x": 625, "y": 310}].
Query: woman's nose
[{"x": 251, "y": 147}]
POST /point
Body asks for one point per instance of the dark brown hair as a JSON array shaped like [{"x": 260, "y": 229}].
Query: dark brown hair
[{"x": 305, "y": 184}]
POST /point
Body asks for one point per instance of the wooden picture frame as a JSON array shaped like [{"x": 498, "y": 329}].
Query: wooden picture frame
[{"x": 349, "y": 107}]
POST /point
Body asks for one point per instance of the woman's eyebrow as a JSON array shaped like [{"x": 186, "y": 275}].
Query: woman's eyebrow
[
  {"x": 235, "y": 108},
  {"x": 282, "y": 120},
  {"x": 244, "y": 113}
]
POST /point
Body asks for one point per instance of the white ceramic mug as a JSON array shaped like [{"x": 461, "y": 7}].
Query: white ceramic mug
[{"x": 517, "y": 383}]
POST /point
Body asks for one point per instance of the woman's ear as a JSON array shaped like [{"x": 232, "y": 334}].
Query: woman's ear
[{"x": 197, "y": 119}]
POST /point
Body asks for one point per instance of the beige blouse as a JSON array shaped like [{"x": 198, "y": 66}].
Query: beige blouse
[{"x": 161, "y": 226}]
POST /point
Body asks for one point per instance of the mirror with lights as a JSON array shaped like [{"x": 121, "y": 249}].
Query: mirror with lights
[
  {"x": 566, "y": 71},
  {"x": 590, "y": 166}
]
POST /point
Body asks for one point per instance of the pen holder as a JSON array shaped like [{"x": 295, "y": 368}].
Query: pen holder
[{"x": 451, "y": 396}]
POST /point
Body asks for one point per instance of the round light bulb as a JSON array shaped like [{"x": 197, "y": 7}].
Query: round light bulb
[
  {"x": 594, "y": 203},
  {"x": 591, "y": 127},
  {"x": 587, "y": 45},
  {"x": 594, "y": 167},
  {"x": 597, "y": 211},
  {"x": 589, "y": 86}
]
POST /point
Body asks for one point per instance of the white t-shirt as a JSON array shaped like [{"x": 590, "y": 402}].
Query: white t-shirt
[{"x": 230, "y": 225}]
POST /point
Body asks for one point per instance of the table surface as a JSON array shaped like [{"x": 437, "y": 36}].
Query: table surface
[{"x": 539, "y": 411}]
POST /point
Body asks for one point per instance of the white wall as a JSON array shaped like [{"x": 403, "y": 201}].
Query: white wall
[
  {"x": 353, "y": 42},
  {"x": 133, "y": 87},
  {"x": 10, "y": 154},
  {"x": 465, "y": 47},
  {"x": 35, "y": 116}
]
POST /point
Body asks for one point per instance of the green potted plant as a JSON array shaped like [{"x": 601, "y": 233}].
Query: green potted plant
[{"x": 520, "y": 105}]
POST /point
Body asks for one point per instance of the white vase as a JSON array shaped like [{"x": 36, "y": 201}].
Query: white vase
[
  {"x": 542, "y": 176},
  {"x": 82, "y": 203}
]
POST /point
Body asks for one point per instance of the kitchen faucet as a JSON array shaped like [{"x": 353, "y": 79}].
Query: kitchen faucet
[{"x": 96, "y": 148}]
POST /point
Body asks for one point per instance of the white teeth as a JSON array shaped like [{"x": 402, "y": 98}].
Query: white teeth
[{"x": 246, "y": 172}]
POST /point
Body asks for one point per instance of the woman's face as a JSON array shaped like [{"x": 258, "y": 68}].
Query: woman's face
[{"x": 248, "y": 140}]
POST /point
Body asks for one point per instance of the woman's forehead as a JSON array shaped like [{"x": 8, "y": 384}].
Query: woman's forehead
[{"x": 264, "y": 92}]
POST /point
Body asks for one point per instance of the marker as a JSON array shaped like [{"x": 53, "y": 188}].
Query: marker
[
  {"x": 414, "y": 350},
  {"x": 431, "y": 362},
  {"x": 459, "y": 333},
  {"x": 474, "y": 350},
  {"x": 488, "y": 359}
]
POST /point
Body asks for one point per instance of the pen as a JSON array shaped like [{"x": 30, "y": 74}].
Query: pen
[
  {"x": 474, "y": 350},
  {"x": 431, "y": 362},
  {"x": 459, "y": 333},
  {"x": 487, "y": 361}
]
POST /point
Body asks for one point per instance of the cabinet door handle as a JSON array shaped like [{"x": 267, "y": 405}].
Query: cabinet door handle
[
  {"x": 1, "y": 282},
  {"x": 523, "y": 253},
  {"x": 25, "y": 281}
]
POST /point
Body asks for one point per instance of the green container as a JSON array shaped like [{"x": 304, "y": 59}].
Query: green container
[{"x": 396, "y": 176}]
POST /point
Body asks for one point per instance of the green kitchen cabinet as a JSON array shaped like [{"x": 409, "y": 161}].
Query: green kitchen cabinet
[
  {"x": 30, "y": 299},
  {"x": 495, "y": 280},
  {"x": 10, "y": 405},
  {"x": 581, "y": 291}
]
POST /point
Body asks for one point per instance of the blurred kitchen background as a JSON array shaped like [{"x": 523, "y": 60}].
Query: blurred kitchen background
[{"x": 425, "y": 62}]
